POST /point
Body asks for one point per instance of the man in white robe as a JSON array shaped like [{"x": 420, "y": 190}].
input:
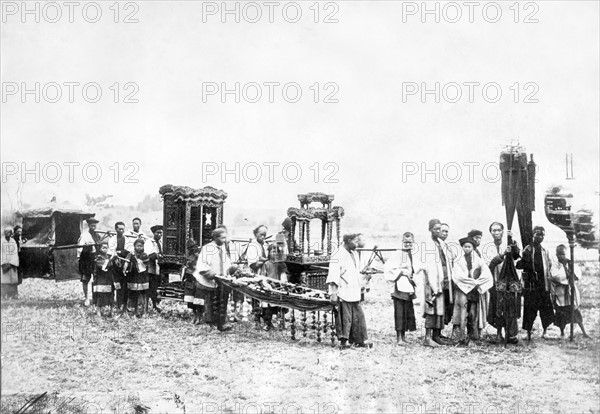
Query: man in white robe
[
  {"x": 561, "y": 292},
  {"x": 398, "y": 272},
  {"x": 437, "y": 283},
  {"x": 86, "y": 254},
  {"x": 154, "y": 248},
  {"x": 214, "y": 260},
  {"x": 473, "y": 279},
  {"x": 258, "y": 260},
  {"x": 344, "y": 280}
]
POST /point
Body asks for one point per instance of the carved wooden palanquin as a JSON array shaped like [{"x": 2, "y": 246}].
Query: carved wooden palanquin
[
  {"x": 189, "y": 214},
  {"x": 307, "y": 261}
]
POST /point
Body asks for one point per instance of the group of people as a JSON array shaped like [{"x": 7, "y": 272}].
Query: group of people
[
  {"x": 463, "y": 288},
  {"x": 124, "y": 269},
  {"x": 209, "y": 299}
]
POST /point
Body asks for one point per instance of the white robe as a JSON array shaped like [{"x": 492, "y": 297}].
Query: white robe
[
  {"x": 344, "y": 272},
  {"x": 254, "y": 252},
  {"x": 480, "y": 278},
  {"x": 560, "y": 284},
  {"x": 398, "y": 271},
  {"x": 10, "y": 256},
  {"x": 85, "y": 239},
  {"x": 151, "y": 246},
  {"x": 433, "y": 274},
  {"x": 209, "y": 259}
]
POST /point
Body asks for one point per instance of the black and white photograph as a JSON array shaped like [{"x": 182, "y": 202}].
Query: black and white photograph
[{"x": 300, "y": 207}]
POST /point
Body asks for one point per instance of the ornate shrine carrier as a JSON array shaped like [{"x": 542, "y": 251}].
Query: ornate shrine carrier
[
  {"x": 308, "y": 261},
  {"x": 188, "y": 214}
]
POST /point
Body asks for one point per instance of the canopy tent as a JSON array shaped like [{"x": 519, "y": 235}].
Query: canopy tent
[
  {"x": 53, "y": 224},
  {"x": 46, "y": 229}
]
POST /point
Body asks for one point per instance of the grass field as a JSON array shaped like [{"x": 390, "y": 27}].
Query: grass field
[{"x": 163, "y": 364}]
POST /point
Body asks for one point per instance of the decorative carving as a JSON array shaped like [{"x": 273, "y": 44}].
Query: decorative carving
[
  {"x": 318, "y": 326},
  {"x": 292, "y": 239},
  {"x": 302, "y": 237},
  {"x": 329, "y": 236},
  {"x": 306, "y": 199},
  {"x": 304, "y": 324},
  {"x": 293, "y": 328},
  {"x": 332, "y": 328},
  {"x": 321, "y": 213},
  {"x": 183, "y": 193},
  {"x": 308, "y": 237},
  {"x": 182, "y": 205},
  {"x": 298, "y": 258}
]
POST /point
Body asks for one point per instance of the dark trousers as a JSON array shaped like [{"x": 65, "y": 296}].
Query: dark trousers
[
  {"x": 404, "y": 315},
  {"x": 123, "y": 293},
  {"x": 350, "y": 322},
  {"x": 537, "y": 301},
  {"x": 120, "y": 283},
  {"x": 215, "y": 305},
  {"x": 448, "y": 306},
  {"x": 563, "y": 316},
  {"x": 136, "y": 300},
  {"x": 153, "y": 290}
]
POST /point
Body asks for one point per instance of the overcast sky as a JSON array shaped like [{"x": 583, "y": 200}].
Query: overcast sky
[{"x": 369, "y": 136}]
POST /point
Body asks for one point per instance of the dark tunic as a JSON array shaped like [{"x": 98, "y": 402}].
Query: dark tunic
[
  {"x": 103, "y": 284},
  {"x": 500, "y": 309},
  {"x": 189, "y": 281},
  {"x": 536, "y": 297},
  {"x": 87, "y": 258},
  {"x": 137, "y": 279}
]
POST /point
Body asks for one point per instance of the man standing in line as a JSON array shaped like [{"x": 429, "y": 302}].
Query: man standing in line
[
  {"x": 437, "y": 282},
  {"x": 214, "y": 260},
  {"x": 472, "y": 279},
  {"x": 343, "y": 279},
  {"x": 399, "y": 271},
  {"x": 154, "y": 250},
  {"x": 501, "y": 311},
  {"x": 87, "y": 256},
  {"x": 258, "y": 260},
  {"x": 119, "y": 247},
  {"x": 537, "y": 288},
  {"x": 561, "y": 271}
]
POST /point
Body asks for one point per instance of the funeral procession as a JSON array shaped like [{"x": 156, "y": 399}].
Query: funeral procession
[{"x": 300, "y": 207}]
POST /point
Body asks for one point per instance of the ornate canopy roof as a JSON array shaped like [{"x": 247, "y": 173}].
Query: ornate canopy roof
[
  {"x": 52, "y": 208},
  {"x": 184, "y": 193},
  {"x": 329, "y": 214},
  {"x": 315, "y": 197}
]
